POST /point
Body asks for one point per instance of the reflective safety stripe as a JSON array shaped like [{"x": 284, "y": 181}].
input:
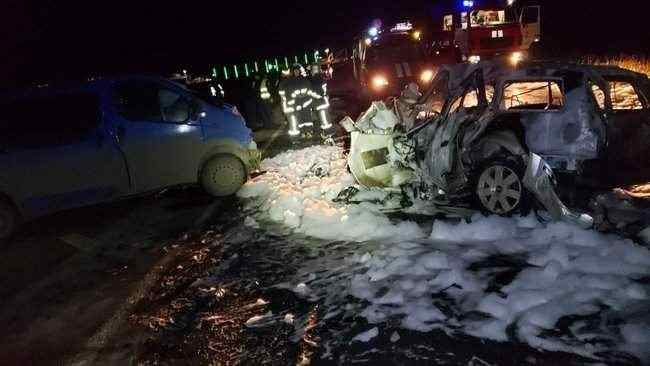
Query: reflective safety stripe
[
  {"x": 291, "y": 102},
  {"x": 307, "y": 103},
  {"x": 325, "y": 124},
  {"x": 293, "y": 126},
  {"x": 325, "y": 105}
]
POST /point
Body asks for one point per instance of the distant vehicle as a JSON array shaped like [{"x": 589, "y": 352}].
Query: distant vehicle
[
  {"x": 497, "y": 136},
  {"x": 62, "y": 148},
  {"x": 485, "y": 32},
  {"x": 384, "y": 61}
]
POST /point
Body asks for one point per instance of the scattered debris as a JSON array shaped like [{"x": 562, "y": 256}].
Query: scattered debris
[{"x": 367, "y": 335}]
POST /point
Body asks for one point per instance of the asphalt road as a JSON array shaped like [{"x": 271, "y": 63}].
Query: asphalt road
[{"x": 125, "y": 283}]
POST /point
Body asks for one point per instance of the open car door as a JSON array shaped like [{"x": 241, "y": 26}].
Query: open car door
[{"x": 531, "y": 29}]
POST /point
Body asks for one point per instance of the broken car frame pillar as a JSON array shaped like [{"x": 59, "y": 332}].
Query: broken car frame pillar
[{"x": 539, "y": 181}]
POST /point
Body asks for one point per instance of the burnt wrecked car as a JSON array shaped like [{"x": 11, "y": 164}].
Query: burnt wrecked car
[{"x": 493, "y": 137}]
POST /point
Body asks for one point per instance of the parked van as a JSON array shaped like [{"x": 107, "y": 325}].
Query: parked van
[{"x": 112, "y": 138}]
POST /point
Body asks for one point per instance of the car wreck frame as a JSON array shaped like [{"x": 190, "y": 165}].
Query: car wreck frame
[{"x": 572, "y": 133}]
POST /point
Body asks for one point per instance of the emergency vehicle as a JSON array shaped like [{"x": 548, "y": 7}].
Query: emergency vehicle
[
  {"x": 386, "y": 60},
  {"x": 485, "y": 31}
]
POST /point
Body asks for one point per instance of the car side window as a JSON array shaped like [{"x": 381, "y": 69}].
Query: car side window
[
  {"x": 544, "y": 95},
  {"x": 150, "y": 102},
  {"x": 471, "y": 99},
  {"x": 624, "y": 96},
  {"x": 57, "y": 120}
]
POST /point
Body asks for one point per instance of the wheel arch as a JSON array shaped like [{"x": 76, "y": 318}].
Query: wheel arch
[
  {"x": 496, "y": 142},
  {"x": 230, "y": 147}
]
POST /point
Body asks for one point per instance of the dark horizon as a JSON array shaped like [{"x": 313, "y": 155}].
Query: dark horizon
[{"x": 47, "y": 40}]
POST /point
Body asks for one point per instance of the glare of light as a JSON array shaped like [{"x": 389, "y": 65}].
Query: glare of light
[
  {"x": 516, "y": 58},
  {"x": 183, "y": 128},
  {"x": 510, "y": 2},
  {"x": 426, "y": 76},
  {"x": 368, "y": 41},
  {"x": 468, "y": 3},
  {"x": 474, "y": 59},
  {"x": 286, "y": 72},
  {"x": 327, "y": 50},
  {"x": 379, "y": 82},
  {"x": 416, "y": 35},
  {"x": 373, "y": 32}
]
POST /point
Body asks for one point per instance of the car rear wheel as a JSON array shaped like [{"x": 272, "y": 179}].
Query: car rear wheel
[
  {"x": 223, "y": 175},
  {"x": 499, "y": 188},
  {"x": 8, "y": 220}
]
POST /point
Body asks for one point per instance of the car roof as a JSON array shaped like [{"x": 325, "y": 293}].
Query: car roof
[{"x": 495, "y": 71}]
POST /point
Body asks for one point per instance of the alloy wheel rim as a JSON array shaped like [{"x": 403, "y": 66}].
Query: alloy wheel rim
[{"x": 499, "y": 189}]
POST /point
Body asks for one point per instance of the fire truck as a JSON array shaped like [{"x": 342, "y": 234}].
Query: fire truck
[
  {"x": 484, "y": 31},
  {"x": 385, "y": 60}
]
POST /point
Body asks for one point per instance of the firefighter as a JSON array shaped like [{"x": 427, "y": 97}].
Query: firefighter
[
  {"x": 297, "y": 99},
  {"x": 322, "y": 104}
]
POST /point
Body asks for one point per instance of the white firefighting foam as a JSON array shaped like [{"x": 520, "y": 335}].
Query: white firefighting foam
[
  {"x": 559, "y": 270},
  {"x": 298, "y": 188}
]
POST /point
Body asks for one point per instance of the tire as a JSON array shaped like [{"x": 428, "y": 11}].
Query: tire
[
  {"x": 9, "y": 220},
  {"x": 223, "y": 175},
  {"x": 499, "y": 189}
]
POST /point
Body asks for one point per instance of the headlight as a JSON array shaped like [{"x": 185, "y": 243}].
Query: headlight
[
  {"x": 379, "y": 82},
  {"x": 426, "y": 76},
  {"x": 516, "y": 58},
  {"x": 474, "y": 59}
]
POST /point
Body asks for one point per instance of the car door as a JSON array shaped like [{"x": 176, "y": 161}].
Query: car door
[
  {"x": 58, "y": 153},
  {"x": 531, "y": 29},
  {"x": 628, "y": 132},
  {"x": 162, "y": 144},
  {"x": 441, "y": 158}
]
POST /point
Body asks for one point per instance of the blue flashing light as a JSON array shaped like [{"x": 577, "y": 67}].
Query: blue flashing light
[
  {"x": 373, "y": 32},
  {"x": 468, "y": 3}
]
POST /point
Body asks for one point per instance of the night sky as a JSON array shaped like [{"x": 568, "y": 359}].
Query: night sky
[{"x": 44, "y": 40}]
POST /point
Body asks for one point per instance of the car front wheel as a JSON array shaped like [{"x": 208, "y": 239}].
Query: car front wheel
[
  {"x": 499, "y": 188},
  {"x": 8, "y": 220},
  {"x": 223, "y": 175}
]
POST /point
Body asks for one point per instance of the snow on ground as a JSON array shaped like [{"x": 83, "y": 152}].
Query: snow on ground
[{"x": 553, "y": 286}]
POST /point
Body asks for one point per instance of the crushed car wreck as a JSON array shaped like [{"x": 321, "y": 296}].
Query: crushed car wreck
[{"x": 494, "y": 137}]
